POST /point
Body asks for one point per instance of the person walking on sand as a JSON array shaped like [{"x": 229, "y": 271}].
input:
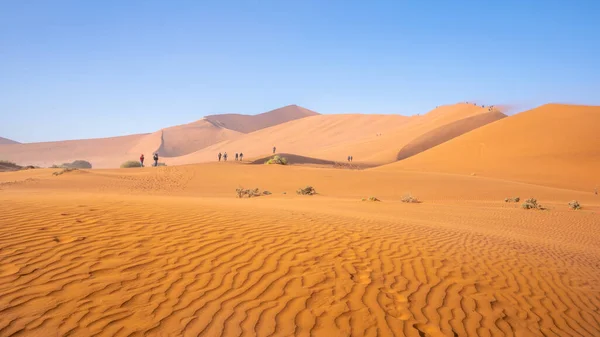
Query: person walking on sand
[
  {"x": 155, "y": 159},
  {"x": 351, "y": 158},
  {"x": 236, "y": 156},
  {"x": 274, "y": 148},
  {"x": 142, "y": 160},
  {"x": 241, "y": 156},
  {"x": 225, "y": 156},
  {"x": 219, "y": 156}
]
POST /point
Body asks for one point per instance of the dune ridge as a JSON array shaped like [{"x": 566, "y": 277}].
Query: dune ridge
[
  {"x": 555, "y": 145},
  {"x": 5, "y": 141},
  {"x": 250, "y": 123},
  {"x": 170, "y": 251}
]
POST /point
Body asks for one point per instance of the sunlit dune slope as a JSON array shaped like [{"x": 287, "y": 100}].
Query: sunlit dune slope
[
  {"x": 554, "y": 144},
  {"x": 370, "y": 139},
  {"x": 4, "y": 141},
  {"x": 170, "y": 251},
  {"x": 250, "y": 123}
]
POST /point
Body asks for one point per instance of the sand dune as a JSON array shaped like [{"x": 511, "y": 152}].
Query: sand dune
[
  {"x": 554, "y": 145},
  {"x": 250, "y": 123},
  {"x": 169, "y": 142},
  {"x": 169, "y": 251},
  {"x": 370, "y": 139},
  {"x": 4, "y": 141}
]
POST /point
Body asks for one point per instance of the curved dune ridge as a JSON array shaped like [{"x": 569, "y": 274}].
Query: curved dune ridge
[
  {"x": 554, "y": 145},
  {"x": 370, "y": 139},
  {"x": 6, "y": 141},
  {"x": 170, "y": 251},
  {"x": 250, "y": 123}
]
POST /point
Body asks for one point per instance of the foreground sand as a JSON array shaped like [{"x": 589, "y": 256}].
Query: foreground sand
[{"x": 170, "y": 252}]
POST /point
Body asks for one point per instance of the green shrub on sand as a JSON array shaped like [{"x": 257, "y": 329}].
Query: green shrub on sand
[
  {"x": 131, "y": 164},
  {"x": 277, "y": 160}
]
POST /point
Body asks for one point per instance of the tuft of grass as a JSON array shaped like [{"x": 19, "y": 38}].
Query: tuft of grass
[
  {"x": 2, "y": 161},
  {"x": 574, "y": 205},
  {"x": 247, "y": 193},
  {"x": 131, "y": 164},
  {"x": 308, "y": 190},
  {"x": 531, "y": 203},
  {"x": 373, "y": 199},
  {"x": 408, "y": 198},
  {"x": 515, "y": 199},
  {"x": 277, "y": 160},
  {"x": 65, "y": 170},
  {"x": 79, "y": 164}
]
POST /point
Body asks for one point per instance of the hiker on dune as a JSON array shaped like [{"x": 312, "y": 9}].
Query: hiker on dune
[
  {"x": 225, "y": 156},
  {"x": 142, "y": 160},
  {"x": 236, "y": 156},
  {"x": 241, "y": 156},
  {"x": 219, "y": 156},
  {"x": 274, "y": 148},
  {"x": 155, "y": 159}
]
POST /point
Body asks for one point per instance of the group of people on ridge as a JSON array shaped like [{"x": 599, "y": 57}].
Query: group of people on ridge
[
  {"x": 239, "y": 156},
  {"x": 154, "y": 156},
  {"x": 350, "y": 158}
]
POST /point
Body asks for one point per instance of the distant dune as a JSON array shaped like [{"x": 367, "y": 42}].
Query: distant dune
[
  {"x": 250, "y": 123},
  {"x": 370, "y": 139},
  {"x": 555, "y": 145},
  {"x": 5, "y": 141},
  {"x": 169, "y": 142}
]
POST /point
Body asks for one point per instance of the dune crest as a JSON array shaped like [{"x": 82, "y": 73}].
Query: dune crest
[{"x": 6, "y": 141}]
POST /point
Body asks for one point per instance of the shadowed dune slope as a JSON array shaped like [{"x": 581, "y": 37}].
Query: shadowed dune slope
[
  {"x": 445, "y": 133},
  {"x": 5, "y": 141},
  {"x": 370, "y": 139},
  {"x": 170, "y": 251},
  {"x": 554, "y": 144},
  {"x": 250, "y": 123}
]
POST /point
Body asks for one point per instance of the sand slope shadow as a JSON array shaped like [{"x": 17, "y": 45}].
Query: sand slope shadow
[{"x": 447, "y": 132}]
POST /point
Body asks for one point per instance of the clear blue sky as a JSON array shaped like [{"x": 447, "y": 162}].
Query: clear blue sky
[{"x": 81, "y": 69}]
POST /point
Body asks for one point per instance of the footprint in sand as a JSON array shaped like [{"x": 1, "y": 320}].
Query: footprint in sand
[
  {"x": 8, "y": 269},
  {"x": 68, "y": 239}
]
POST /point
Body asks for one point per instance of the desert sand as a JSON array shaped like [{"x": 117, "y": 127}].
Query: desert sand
[{"x": 171, "y": 251}]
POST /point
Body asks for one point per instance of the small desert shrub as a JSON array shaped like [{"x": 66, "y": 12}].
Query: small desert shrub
[
  {"x": 515, "y": 199},
  {"x": 65, "y": 170},
  {"x": 410, "y": 199},
  {"x": 371, "y": 199},
  {"x": 531, "y": 203},
  {"x": 130, "y": 164},
  {"x": 247, "y": 193},
  {"x": 81, "y": 164},
  {"x": 308, "y": 190},
  {"x": 2, "y": 161},
  {"x": 277, "y": 160},
  {"x": 162, "y": 164},
  {"x": 266, "y": 193},
  {"x": 574, "y": 204}
]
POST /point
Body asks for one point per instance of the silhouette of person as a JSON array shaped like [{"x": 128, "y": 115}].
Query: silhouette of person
[
  {"x": 241, "y": 156},
  {"x": 142, "y": 160},
  {"x": 274, "y": 148},
  {"x": 155, "y": 159},
  {"x": 219, "y": 156},
  {"x": 236, "y": 156},
  {"x": 351, "y": 158},
  {"x": 225, "y": 156}
]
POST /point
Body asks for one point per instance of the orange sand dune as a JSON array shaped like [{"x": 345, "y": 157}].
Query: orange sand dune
[
  {"x": 7, "y": 141},
  {"x": 250, "y": 123},
  {"x": 370, "y": 139},
  {"x": 169, "y": 251},
  {"x": 557, "y": 145},
  {"x": 169, "y": 142}
]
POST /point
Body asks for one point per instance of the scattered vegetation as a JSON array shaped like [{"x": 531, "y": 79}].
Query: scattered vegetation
[
  {"x": 410, "y": 199},
  {"x": 515, "y": 199},
  {"x": 266, "y": 193},
  {"x": 65, "y": 170},
  {"x": 162, "y": 164},
  {"x": 371, "y": 199},
  {"x": 131, "y": 164},
  {"x": 574, "y": 204},
  {"x": 308, "y": 190},
  {"x": 531, "y": 203},
  {"x": 247, "y": 193},
  {"x": 277, "y": 160},
  {"x": 79, "y": 164},
  {"x": 2, "y": 161}
]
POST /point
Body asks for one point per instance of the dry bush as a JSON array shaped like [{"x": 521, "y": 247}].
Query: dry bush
[
  {"x": 277, "y": 160},
  {"x": 515, "y": 199},
  {"x": 574, "y": 205},
  {"x": 131, "y": 164},
  {"x": 371, "y": 199},
  {"x": 308, "y": 190},
  {"x": 247, "y": 193},
  {"x": 531, "y": 203},
  {"x": 65, "y": 170},
  {"x": 410, "y": 199}
]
